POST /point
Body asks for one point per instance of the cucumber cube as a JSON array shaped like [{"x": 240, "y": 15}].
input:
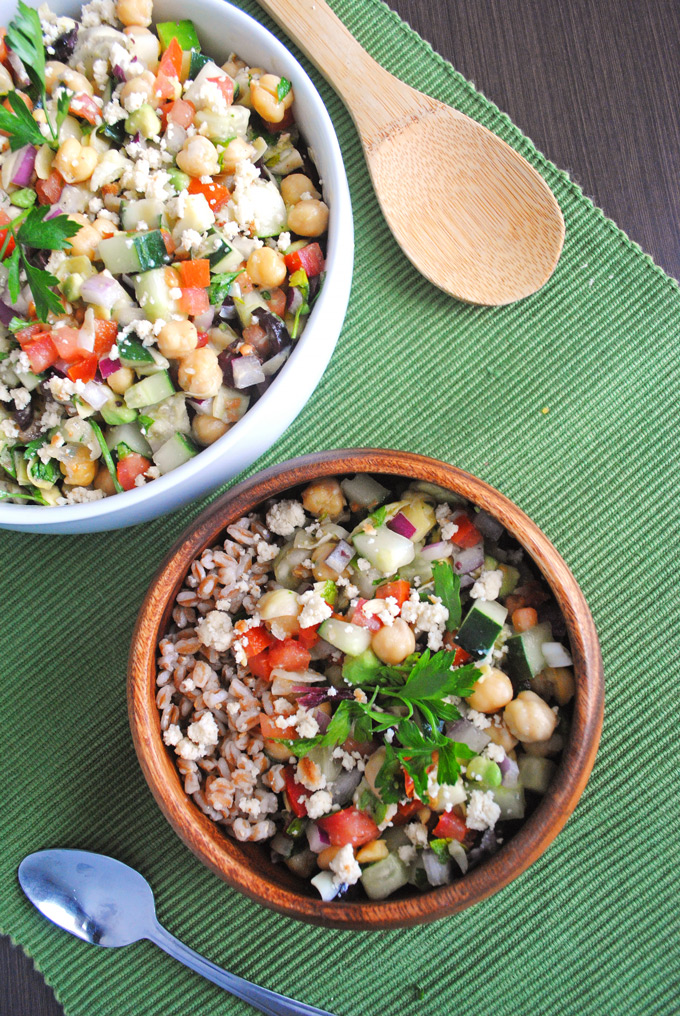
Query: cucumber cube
[
  {"x": 525, "y": 652},
  {"x": 384, "y": 877},
  {"x": 184, "y": 31},
  {"x": 177, "y": 450},
  {"x": 149, "y": 391},
  {"x": 481, "y": 627}
]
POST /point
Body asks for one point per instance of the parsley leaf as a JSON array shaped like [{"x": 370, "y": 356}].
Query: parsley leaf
[
  {"x": 20, "y": 125},
  {"x": 35, "y": 496},
  {"x": 377, "y": 519},
  {"x": 220, "y": 285},
  {"x": 337, "y": 731},
  {"x": 447, "y": 588},
  {"x": 432, "y": 678},
  {"x": 417, "y": 754},
  {"x": 13, "y": 280},
  {"x": 283, "y": 88},
  {"x": 441, "y": 849},
  {"x": 24, "y": 37},
  {"x": 43, "y": 297},
  {"x": 390, "y": 781},
  {"x": 50, "y": 234}
]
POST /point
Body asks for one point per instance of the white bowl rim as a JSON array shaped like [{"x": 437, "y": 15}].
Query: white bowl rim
[{"x": 37, "y": 518}]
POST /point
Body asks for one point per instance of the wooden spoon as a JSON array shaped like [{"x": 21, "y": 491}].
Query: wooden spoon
[{"x": 467, "y": 210}]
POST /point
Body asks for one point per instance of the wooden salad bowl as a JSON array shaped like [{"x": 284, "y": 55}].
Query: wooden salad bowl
[{"x": 247, "y": 866}]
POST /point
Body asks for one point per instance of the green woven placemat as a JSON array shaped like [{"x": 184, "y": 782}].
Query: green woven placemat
[{"x": 565, "y": 402}]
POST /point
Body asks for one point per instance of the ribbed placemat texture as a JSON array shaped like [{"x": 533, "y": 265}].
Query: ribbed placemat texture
[{"x": 567, "y": 402}]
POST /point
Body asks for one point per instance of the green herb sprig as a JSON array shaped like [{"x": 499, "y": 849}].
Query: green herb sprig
[{"x": 34, "y": 232}]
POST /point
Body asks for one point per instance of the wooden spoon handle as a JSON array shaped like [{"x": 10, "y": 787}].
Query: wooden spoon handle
[{"x": 373, "y": 96}]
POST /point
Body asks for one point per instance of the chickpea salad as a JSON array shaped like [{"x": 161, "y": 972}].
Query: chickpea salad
[
  {"x": 371, "y": 679},
  {"x": 162, "y": 242}
]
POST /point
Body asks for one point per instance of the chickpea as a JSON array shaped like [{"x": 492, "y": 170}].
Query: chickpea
[
  {"x": 134, "y": 12},
  {"x": 198, "y": 157},
  {"x": 57, "y": 73},
  {"x": 276, "y": 750},
  {"x": 500, "y": 734},
  {"x": 265, "y": 100},
  {"x": 177, "y": 338},
  {"x": 529, "y": 718},
  {"x": 79, "y": 469},
  {"x": 233, "y": 65},
  {"x": 236, "y": 151},
  {"x": 393, "y": 643},
  {"x": 492, "y": 691},
  {"x": 121, "y": 379},
  {"x": 308, "y": 217},
  {"x": 104, "y": 481},
  {"x": 39, "y": 116},
  {"x": 552, "y": 746},
  {"x": 141, "y": 85},
  {"x": 85, "y": 242},
  {"x": 295, "y": 185},
  {"x": 105, "y": 228},
  {"x": 208, "y": 429},
  {"x": 200, "y": 373},
  {"x": 562, "y": 683},
  {"x": 324, "y": 858},
  {"x": 324, "y": 497},
  {"x": 266, "y": 267},
  {"x": 74, "y": 162},
  {"x": 524, "y": 618}
]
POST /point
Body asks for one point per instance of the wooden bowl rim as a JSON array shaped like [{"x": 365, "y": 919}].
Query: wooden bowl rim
[{"x": 224, "y": 855}]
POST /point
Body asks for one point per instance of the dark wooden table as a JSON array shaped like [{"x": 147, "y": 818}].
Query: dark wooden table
[{"x": 595, "y": 84}]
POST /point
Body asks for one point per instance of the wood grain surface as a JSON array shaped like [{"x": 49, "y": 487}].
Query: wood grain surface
[{"x": 595, "y": 84}]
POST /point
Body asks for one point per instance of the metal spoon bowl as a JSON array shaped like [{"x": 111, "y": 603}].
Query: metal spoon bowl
[{"x": 107, "y": 903}]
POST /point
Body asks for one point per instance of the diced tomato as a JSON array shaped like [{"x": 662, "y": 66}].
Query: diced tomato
[
  {"x": 287, "y": 121},
  {"x": 49, "y": 190},
  {"x": 461, "y": 657},
  {"x": 84, "y": 369},
  {"x": 256, "y": 640},
  {"x": 409, "y": 785},
  {"x": 349, "y": 826},
  {"x": 203, "y": 338},
  {"x": 105, "y": 333},
  {"x": 84, "y": 106},
  {"x": 362, "y": 620},
  {"x": 3, "y": 45},
  {"x": 170, "y": 244},
  {"x": 165, "y": 87},
  {"x": 67, "y": 343},
  {"x": 450, "y": 827},
  {"x": 289, "y": 655},
  {"x": 405, "y": 812},
  {"x": 216, "y": 194},
  {"x": 271, "y": 731},
  {"x": 129, "y": 468},
  {"x": 41, "y": 352},
  {"x": 194, "y": 273},
  {"x": 226, "y": 86},
  {"x": 181, "y": 112},
  {"x": 194, "y": 301},
  {"x": 171, "y": 61},
  {"x": 310, "y": 258},
  {"x": 294, "y": 791},
  {"x": 277, "y": 302},
  {"x": 467, "y": 534},
  {"x": 4, "y": 219},
  {"x": 308, "y": 637},
  {"x": 260, "y": 665},
  {"x": 25, "y": 335},
  {"x": 400, "y": 590}
]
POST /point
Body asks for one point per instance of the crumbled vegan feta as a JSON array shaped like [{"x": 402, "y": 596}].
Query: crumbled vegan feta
[
  {"x": 427, "y": 617},
  {"x": 488, "y": 585},
  {"x": 215, "y": 630},
  {"x": 345, "y": 867},
  {"x": 482, "y": 810},
  {"x": 319, "y": 804},
  {"x": 314, "y": 609},
  {"x": 417, "y": 833},
  {"x": 205, "y": 730},
  {"x": 284, "y": 517},
  {"x": 495, "y": 752}
]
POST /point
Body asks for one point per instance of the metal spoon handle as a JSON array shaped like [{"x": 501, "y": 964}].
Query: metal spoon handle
[{"x": 269, "y": 1002}]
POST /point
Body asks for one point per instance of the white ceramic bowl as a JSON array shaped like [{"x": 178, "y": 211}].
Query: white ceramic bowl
[{"x": 223, "y": 29}]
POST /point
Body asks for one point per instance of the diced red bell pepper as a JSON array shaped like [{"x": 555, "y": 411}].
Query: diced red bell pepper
[
  {"x": 30, "y": 332},
  {"x": 289, "y": 655},
  {"x": 467, "y": 534},
  {"x": 362, "y": 620},
  {"x": 226, "y": 86},
  {"x": 400, "y": 590},
  {"x": 49, "y": 190},
  {"x": 84, "y": 369},
  {"x": 256, "y": 640},
  {"x": 171, "y": 61},
  {"x": 216, "y": 194},
  {"x": 41, "y": 352},
  {"x": 310, "y": 258},
  {"x": 308, "y": 637},
  {"x": 194, "y": 273},
  {"x": 405, "y": 812},
  {"x": 105, "y": 334},
  {"x": 129, "y": 468},
  {"x": 203, "y": 338},
  {"x": 194, "y": 301},
  {"x": 86, "y": 108},
  {"x": 295, "y": 791},
  {"x": 349, "y": 826},
  {"x": 450, "y": 827}
]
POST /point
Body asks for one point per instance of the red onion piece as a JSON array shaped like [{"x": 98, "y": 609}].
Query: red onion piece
[
  {"x": 466, "y": 733},
  {"x": 103, "y": 290},
  {"x": 510, "y": 771},
  {"x": 339, "y": 557},
  {"x": 118, "y": 72},
  {"x": 468, "y": 560},
  {"x": 317, "y": 838},
  {"x": 437, "y": 551},
  {"x": 20, "y": 73},
  {"x": 322, "y": 718},
  {"x": 294, "y": 300},
  {"x": 273, "y": 365},
  {"x": 401, "y": 525},
  {"x": 97, "y": 395},
  {"x": 108, "y": 367},
  {"x": 6, "y": 313},
  {"x": 247, "y": 371},
  {"x": 54, "y": 211},
  {"x": 23, "y": 167},
  {"x": 438, "y": 872},
  {"x": 204, "y": 321}
]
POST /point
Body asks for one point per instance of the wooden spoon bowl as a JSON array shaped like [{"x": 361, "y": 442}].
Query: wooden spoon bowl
[{"x": 248, "y": 866}]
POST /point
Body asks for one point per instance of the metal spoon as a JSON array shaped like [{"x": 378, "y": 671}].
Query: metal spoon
[
  {"x": 467, "y": 210},
  {"x": 105, "y": 902}
]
